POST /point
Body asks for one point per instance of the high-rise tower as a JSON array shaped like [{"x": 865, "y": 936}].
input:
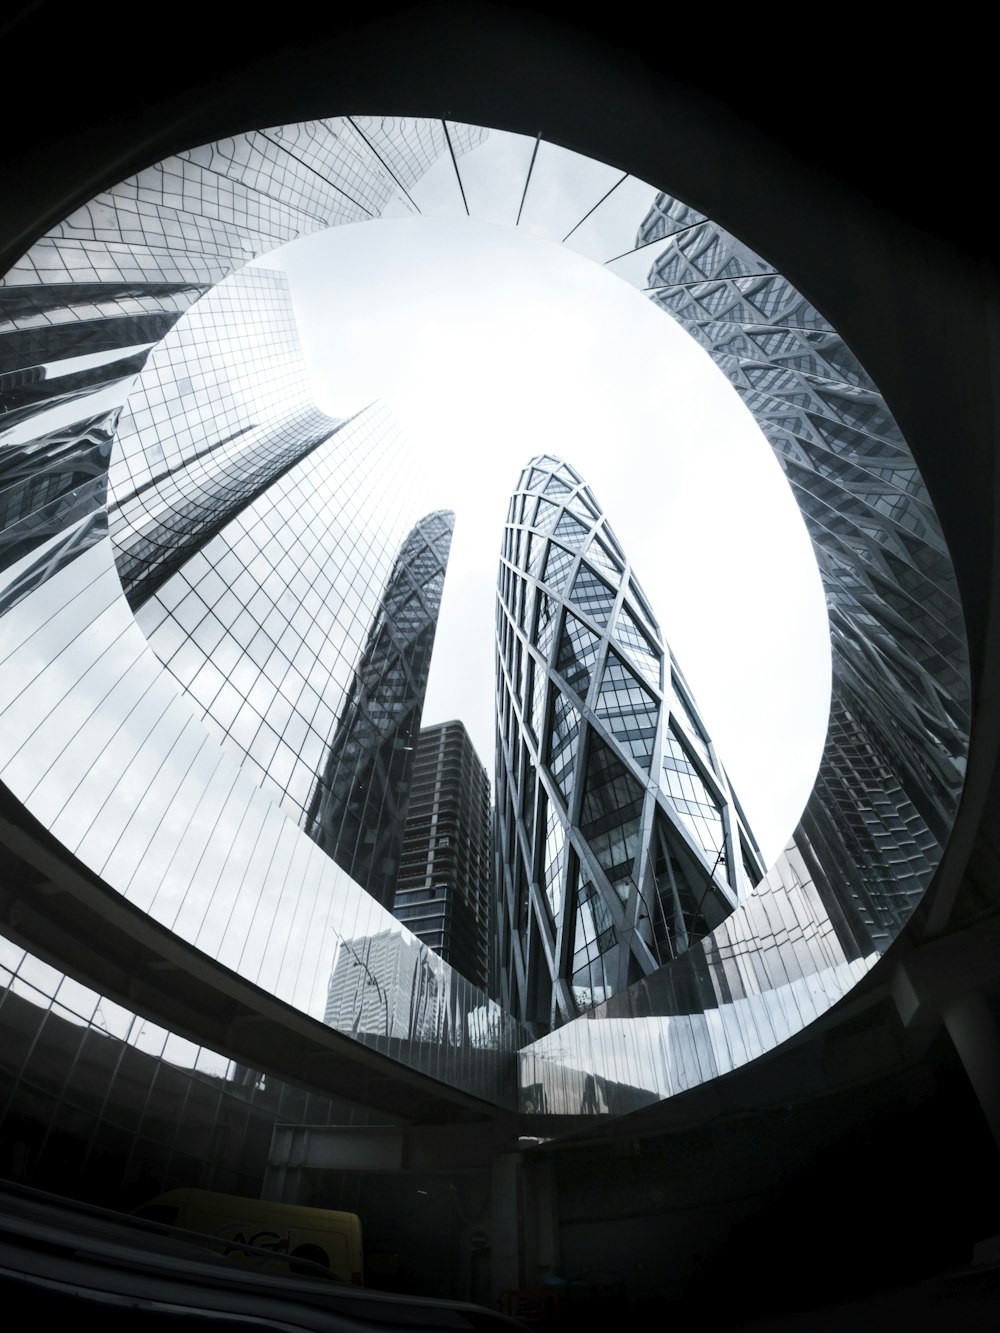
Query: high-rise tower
[
  {"x": 445, "y": 880},
  {"x": 358, "y": 806},
  {"x": 619, "y": 840}
]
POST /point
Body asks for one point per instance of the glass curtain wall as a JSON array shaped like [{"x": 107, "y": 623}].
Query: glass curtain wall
[
  {"x": 98, "y": 743},
  {"x": 622, "y": 844}
]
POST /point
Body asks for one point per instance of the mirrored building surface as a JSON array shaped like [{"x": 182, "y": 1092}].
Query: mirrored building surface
[
  {"x": 619, "y": 841},
  {"x": 255, "y": 539},
  {"x": 220, "y": 410},
  {"x": 894, "y": 761},
  {"x": 358, "y": 806},
  {"x": 170, "y": 755}
]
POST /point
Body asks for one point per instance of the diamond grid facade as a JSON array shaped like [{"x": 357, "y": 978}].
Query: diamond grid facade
[
  {"x": 619, "y": 841},
  {"x": 894, "y": 760}
]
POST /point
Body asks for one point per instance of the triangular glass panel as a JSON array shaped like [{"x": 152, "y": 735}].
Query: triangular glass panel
[
  {"x": 571, "y": 530},
  {"x": 579, "y": 506},
  {"x": 637, "y": 648},
  {"x": 599, "y": 556},
  {"x": 613, "y": 544},
  {"x": 636, "y": 594},
  {"x": 553, "y": 872},
  {"x": 557, "y": 566},
  {"x": 693, "y": 904},
  {"x": 536, "y": 479},
  {"x": 528, "y": 798},
  {"x": 578, "y": 648},
  {"x": 536, "y": 550},
  {"x": 681, "y": 782},
  {"x": 525, "y": 615},
  {"x": 541, "y": 681},
  {"x": 751, "y": 869},
  {"x": 594, "y": 941},
  {"x": 556, "y": 487},
  {"x": 629, "y": 709},
  {"x": 564, "y": 730},
  {"x": 527, "y": 682},
  {"x": 695, "y": 729},
  {"x": 593, "y": 596},
  {"x": 611, "y": 813},
  {"x": 546, "y": 516},
  {"x": 545, "y": 624}
]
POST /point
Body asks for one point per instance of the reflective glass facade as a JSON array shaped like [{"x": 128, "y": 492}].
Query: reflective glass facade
[
  {"x": 263, "y": 627},
  {"x": 104, "y": 1104},
  {"x": 118, "y": 738},
  {"x": 894, "y": 762},
  {"x": 619, "y": 840},
  {"x": 358, "y": 806},
  {"x": 220, "y": 410}
]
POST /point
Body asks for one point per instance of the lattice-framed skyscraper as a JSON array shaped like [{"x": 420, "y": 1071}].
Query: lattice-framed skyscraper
[{"x": 619, "y": 840}]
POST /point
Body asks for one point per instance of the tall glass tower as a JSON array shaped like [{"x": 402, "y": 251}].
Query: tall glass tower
[
  {"x": 260, "y": 544},
  {"x": 358, "y": 807},
  {"x": 168, "y": 739},
  {"x": 619, "y": 841}
]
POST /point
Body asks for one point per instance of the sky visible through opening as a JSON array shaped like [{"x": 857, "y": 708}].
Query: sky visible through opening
[{"x": 491, "y": 346}]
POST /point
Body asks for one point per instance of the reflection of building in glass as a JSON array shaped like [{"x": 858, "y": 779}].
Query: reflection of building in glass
[
  {"x": 385, "y": 985},
  {"x": 620, "y": 843},
  {"x": 85, "y": 306},
  {"x": 105, "y": 1105},
  {"x": 445, "y": 877},
  {"x": 255, "y": 538},
  {"x": 893, "y": 763},
  {"x": 261, "y": 622},
  {"x": 358, "y": 807},
  {"x": 173, "y": 760},
  {"x": 221, "y": 409}
]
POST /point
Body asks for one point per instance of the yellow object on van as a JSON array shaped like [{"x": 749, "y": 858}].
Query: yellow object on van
[{"x": 231, "y": 1223}]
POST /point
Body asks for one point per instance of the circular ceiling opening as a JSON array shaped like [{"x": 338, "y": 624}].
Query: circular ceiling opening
[{"x": 101, "y": 744}]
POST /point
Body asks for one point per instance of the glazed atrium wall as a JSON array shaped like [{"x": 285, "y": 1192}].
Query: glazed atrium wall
[
  {"x": 620, "y": 843},
  {"x": 224, "y": 472},
  {"x": 138, "y": 788}
]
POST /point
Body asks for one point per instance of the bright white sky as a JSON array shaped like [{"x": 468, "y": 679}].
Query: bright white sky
[{"x": 491, "y": 346}]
